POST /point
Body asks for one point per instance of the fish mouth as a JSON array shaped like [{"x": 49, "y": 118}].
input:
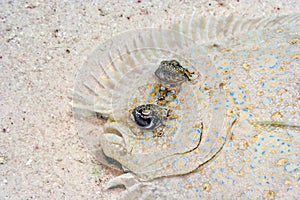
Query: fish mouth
[
  {"x": 113, "y": 141},
  {"x": 113, "y": 137}
]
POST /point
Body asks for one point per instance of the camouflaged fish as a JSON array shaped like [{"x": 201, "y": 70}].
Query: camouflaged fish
[{"x": 207, "y": 109}]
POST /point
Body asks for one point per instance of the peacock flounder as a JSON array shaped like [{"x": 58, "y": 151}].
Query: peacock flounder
[{"x": 211, "y": 114}]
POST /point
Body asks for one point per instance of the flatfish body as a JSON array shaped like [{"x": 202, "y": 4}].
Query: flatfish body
[{"x": 230, "y": 133}]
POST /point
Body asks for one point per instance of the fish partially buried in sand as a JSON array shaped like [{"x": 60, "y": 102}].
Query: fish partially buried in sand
[{"x": 232, "y": 134}]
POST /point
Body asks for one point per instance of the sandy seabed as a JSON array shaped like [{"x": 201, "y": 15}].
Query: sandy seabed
[{"x": 43, "y": 44}]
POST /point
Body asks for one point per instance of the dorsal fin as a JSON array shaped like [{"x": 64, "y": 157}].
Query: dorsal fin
[{"x": 203, "y": 29}]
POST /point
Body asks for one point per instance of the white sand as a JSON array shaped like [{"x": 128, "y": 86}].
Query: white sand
[{"x": 42, "y": 47}]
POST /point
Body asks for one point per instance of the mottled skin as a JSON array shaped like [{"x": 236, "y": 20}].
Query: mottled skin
[
  {"x": 171, "y": 72},
  {"x": 234, "y": 133}
]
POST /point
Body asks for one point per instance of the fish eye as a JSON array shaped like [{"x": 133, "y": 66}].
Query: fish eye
[
  {"x": 171, "y": 72},
  {"x": 147, "y": 116},
  {"x": 142, "y": 122}
]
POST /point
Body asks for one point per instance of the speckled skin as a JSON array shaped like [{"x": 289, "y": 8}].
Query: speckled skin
[
  {"x": 171, "y": 72},
  {"x": 234, "y": 132}
]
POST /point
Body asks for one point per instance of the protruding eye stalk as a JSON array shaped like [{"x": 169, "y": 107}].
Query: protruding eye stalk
[
  {"x": 149, "y": 116},
  {"x": 171, "y": 72}
]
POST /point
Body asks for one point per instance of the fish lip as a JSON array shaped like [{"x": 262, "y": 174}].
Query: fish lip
[
  {"x": 114, "y": 138},
  {"x": 111, "y": 143},
  {"x": 115, "y": 135}
]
